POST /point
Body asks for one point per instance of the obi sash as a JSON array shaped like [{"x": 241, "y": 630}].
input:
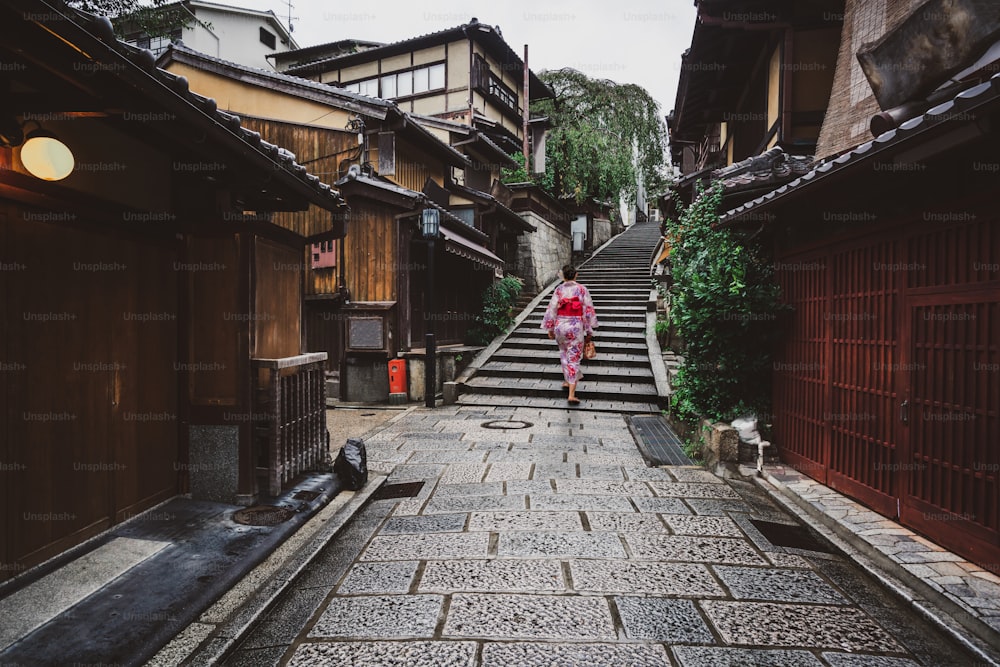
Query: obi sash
[{"x": 571, "y": 307}]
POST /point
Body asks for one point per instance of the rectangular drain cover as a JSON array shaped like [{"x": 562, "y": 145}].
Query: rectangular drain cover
[
  {"x": 658, "y": 443},
  {"x": 404, "y": 490},
  {"x": 793, "y": 537}
]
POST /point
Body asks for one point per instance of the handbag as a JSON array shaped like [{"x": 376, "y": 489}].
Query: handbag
[{"x": 589, "y": 350}]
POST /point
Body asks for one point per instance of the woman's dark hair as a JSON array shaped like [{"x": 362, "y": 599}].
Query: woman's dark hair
[{"x": 569, "y": 272}]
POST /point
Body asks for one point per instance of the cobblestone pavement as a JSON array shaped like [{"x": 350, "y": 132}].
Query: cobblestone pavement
[{"x": 554, "y": 544}]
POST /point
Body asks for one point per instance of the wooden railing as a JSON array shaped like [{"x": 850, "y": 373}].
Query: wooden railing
[{"x": 291, "y": 432}]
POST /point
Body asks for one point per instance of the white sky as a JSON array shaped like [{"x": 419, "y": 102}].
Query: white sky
[{"x": 627, "y": 41}]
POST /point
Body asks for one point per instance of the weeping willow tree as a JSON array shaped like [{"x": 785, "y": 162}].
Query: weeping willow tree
[{"x": 605, "y": 138}]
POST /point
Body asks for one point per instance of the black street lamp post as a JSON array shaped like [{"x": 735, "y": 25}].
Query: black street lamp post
[{"x": 430, "y": 226}]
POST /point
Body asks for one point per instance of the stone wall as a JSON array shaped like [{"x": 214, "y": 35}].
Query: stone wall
[
  {"x": 541, "y": 254},
  {"x": 602, "y": 232}
]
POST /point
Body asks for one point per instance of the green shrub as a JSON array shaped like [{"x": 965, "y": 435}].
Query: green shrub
[
  {"x": 498, "y": 310},
  {"x": 725, "y": 306}
]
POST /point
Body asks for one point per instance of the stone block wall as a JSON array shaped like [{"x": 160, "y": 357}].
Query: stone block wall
[
  {"x": 602, "y": 232},
  {"x": 541, "y": 254}
]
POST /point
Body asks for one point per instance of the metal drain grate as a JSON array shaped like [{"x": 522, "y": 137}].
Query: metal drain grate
[
  {"x": 659, "y": 443},
  {"x": 793, "y": 537},
  {"x": 403, "y": 490},
  {"x": 263, "y": 515},
  {"x": 506, "y": 424}
]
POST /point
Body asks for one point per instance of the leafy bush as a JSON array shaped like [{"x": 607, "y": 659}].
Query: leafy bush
[
  {"x": 725, "y": 306},
  {"x": 498, "y": 310}
]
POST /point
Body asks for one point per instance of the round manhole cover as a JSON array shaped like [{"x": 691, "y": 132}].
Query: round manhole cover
[
  {"x": 263, "y": 515},
  {"x": 506, "y": 424}
]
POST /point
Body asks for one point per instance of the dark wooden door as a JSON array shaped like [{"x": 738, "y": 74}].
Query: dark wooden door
[
  {"x": 90, "y": 322},
  {"x": 952, "y": 421}
]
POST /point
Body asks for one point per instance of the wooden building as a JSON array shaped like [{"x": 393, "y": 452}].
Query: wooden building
[
  {"x": 887, "y": 387},
  {"x": 151, "y": 297},
  {"x": 400, "y": 167}
]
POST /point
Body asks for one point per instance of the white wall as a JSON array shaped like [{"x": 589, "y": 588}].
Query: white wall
[{"x": 233, "y": 37}]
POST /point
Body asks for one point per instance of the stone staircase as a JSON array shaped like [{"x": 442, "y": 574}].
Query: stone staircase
[{"x": 525, "y": 371}]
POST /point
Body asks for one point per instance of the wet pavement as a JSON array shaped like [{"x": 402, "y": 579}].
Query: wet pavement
[{"x": 540, "y": 537}]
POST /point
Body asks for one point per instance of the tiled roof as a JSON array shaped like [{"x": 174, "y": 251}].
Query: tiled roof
[
  {"x": 955, "y": 110},
  {"x": 101, "y": 29}
]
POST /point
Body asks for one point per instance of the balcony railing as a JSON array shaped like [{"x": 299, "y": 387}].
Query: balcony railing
[{"x": 291, "y": 432}]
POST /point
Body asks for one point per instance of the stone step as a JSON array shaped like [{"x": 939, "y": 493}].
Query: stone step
[
  {"x": 550, "y": 355},
  {"x": 596, "y": 405},
  {"x": 552, "y": 370},
  {"x": 605, "y": 323},
  {"x": 606, "y": 343},
  {"x": 609, "y": 335},
  {"x": 594, "y": 387}
]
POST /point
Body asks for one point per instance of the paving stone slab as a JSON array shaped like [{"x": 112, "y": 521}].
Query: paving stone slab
[
  {"x": 443, "y": 490},
  {"x": 527, "y": 487},
  {"x": 617, "y": 458},
  {"x": 568, "y": 446},
  {"x": 854, "y": 660},
  {"x": 387, "y": 654},
  {"x": 407, "y": 472},
  {"x": 379, "y": 617},
  {"x": 602, "y": 487},
  {"x": 661, "y": 619},
  {"x": 427, "y": 545},
  {"x": 474, "y": 504},
  {"x": 712, "y": 507},
  {"x": 525, "y": 456},
  {"x": 813, "y": 626},
  {"x": 609, "y": 576},
  {"x": 694, "y": 490},
  {"x": 705, "y": 656},
  {"x": 426, "y": 444},
  {"x": 694, "y": 474},
  {"x": 641, "y": 474},
  {"x": 497, "y": 435},
  {"x": 553, "y": 544},
  {"x": 564, "y": 501},
  {"x": 495, "y": 576},
  {"x": 529, "y": 617},
  {"x": 436, "y": 523},
  {"x": 554, "y": 470},
  {"x": 577, "y": 442},
  {"x": 447, "y": 456},
  {"x": 499, "y": 472},
  {"x": 778, "y": 585},
  {"x": 464, "y": 473},
  {"x": 697, "y": 549},
  {"x": 526, "y": 654},
  {"x": 627, "y": 522},
  {"x": 787, "y": 560},
  {"x": 507, "y": 521},
  {"x": 371, "y": 578},
  {"x": 703, "y": 525},
  {"x": 661, "y": 505}
]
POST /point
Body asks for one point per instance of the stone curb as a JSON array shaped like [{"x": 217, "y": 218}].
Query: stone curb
[
  {"x": 656, "y": 355},
  {"x": 923, "y": 600},
  {"x": 208, "y": 643}
]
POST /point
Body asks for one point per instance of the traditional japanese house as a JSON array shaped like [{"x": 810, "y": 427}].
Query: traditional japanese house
[
  {"x": 152, "y": 291},
  {"x": 887, "y": 387},
  {"x": 468, "y": 86},
  {"x": 377, "y": 272}
]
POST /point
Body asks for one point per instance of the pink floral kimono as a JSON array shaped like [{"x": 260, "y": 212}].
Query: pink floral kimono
[{"x": 571, "y": 316}]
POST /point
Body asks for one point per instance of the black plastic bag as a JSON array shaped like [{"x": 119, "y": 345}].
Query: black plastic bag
[{"x": 351, "y": 465}]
